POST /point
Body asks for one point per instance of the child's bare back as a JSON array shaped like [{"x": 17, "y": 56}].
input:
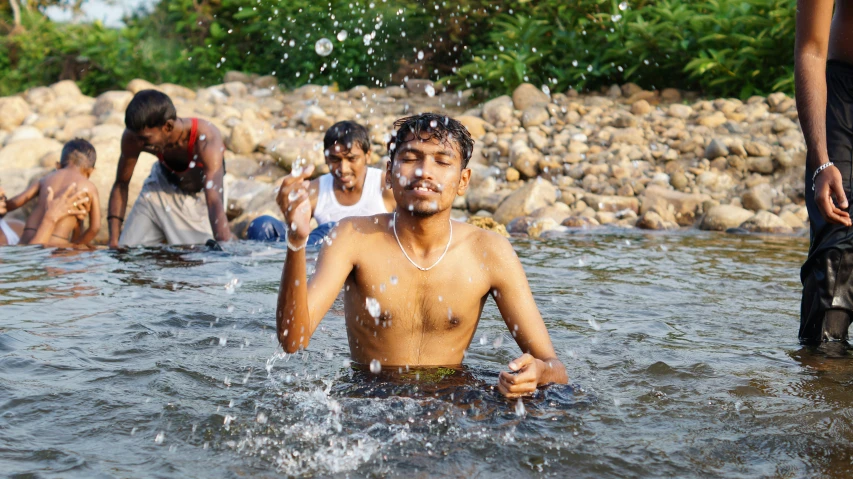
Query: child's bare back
[
  {"x": 59, "y": 181},
  {"x": 76, "y": 165}
]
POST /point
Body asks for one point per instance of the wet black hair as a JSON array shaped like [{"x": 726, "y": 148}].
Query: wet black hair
[
  {"x": 428, "y": 126},
  {"x": 149, "y": 109},
  {"x": 347, "y": 133},
  {"x": 78, "y": 152}
]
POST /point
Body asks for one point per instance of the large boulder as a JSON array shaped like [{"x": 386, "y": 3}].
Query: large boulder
[
  {"x": 682, "y": 206},
  {"x": 286, "y": 150},
  {"x": 525, "y": 200},
  {"x": 26, "y": 154},
  {"x": 138, "y": 84},
  {"x": 247, "y": 136},
  {"x": 111, "y": 102},
  {"x": 24, "y": 133},
  {"x": 524, "y": 159},
  {"x": 723, "y": 217},
  {"x": 759, "y": 197},
  {"x": 474, "y": 125},
  {"x": 40, "y": 96},
  {"x": 66, "y": 88},
  {"x": 527, "y": 95},
  {"x": 177, "y": 91},
  {"x": 534, "y": 115},
  {"x": 498, "y": 110},
  {"x": 766, "y": 222},
  {"x": 75, "y": 126},
  {"x": 612, "y": 203},
  {"x": 650, "y": 220},
  {"x": 13, "y": 111}
]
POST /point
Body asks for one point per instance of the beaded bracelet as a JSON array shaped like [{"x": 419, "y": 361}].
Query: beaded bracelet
[{"x": 819, "y": 169}]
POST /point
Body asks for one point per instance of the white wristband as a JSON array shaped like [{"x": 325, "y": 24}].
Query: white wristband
[{"x": 295, "y": 248}]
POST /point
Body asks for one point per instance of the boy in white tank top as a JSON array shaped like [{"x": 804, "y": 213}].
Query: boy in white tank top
[{"x": 351, "y": 188}]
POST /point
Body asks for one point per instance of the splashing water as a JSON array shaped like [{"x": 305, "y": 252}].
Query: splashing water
[
  {"x": 519, "y": 408},
  {"x": 375, "y": 366},
  {"x": 342, "y": 35},
  {"x": 594, "y": 324},
  {"x": 373, "y": 307},
  {"x": 296, "y": 169},
  {"x": 323, "y": 47},
  {"x": 430, "y": 91},
  {"x": 623, "y": 6}
]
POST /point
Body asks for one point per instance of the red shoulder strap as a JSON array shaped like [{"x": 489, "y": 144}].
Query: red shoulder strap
[{"x": 191, "y": 144}]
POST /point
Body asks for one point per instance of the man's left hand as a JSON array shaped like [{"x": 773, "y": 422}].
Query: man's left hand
[{"x": 523, "y": 378}]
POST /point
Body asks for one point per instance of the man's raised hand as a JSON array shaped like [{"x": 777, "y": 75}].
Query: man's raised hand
[
  {"x": 828, "y": 184},
  {"x": 293, "y": 199}
]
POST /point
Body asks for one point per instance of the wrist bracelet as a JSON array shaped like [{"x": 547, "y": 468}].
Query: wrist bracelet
[
  {"x": 819, "y": 169},
  {"x": 294, "y": 248},
  {"x": 116, "y": 217}
]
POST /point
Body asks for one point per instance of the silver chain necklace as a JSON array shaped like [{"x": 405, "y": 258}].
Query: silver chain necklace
[{"x": 446, "y": 248}]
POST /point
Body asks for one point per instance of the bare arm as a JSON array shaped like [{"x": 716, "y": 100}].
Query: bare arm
[
  {"x": 67, "y": 204},
  {"x": 212, "y": 158},
  {"x": 302, "y": 304},
  {"x": 94, "y": 218},
  {"x": 20, "y": 200},
  {"x": 539, "y": 364},
  {"x": 813, "y": 24},
  {"x": 130, "y": 149}
]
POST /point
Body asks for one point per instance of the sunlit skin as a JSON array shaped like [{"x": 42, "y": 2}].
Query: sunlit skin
[
  {"x": 821, "y": 35},
  {"x": 348, "y": 167},
  {"x": 172, "y": 140},
  {"x": 17, "y": 226},
  {"x": 427, "y": 318},
  {"x": 59, "y": 181}
]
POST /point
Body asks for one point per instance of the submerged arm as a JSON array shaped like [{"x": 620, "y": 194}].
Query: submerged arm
[{"x": 539, "y": 364}]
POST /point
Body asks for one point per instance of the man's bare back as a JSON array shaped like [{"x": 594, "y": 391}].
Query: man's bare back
[
  {"x": 414, "y": 282},
  {"x": 60, "y": 181}
]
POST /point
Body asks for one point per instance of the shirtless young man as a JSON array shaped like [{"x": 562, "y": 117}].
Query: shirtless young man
[
  {"x": 351, "y": 188},
  {"x": 170, "y": 207},
  {"x": 415, "y": 281},
  {"x": 76, "y": 165},
  {"x": 824, "y": 81}
]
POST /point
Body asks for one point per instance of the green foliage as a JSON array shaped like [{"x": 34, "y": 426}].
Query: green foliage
[{"x": 721, "y": 47}]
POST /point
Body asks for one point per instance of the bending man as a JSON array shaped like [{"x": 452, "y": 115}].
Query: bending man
[
  {"x": 824, "y": 81},
  {"x": 416, "y": 282},
  {"x": 170, "y": 207}
]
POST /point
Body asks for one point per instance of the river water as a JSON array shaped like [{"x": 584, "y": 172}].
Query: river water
[{"x": 681, "y": 349}]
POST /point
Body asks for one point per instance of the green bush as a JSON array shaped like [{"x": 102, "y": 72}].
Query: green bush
[{"x": 720, "y": 47}]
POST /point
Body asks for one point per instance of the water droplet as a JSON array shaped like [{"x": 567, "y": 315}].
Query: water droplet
[
  {"x": 589, "y": 68},
  {"x": 574, "y": 63},
  {"x": 375, "y": 366},
  {"x": 373, "y": 307},
  {"x": 615, "y": 18},
  {"x": 223, "y": 341},
  {"x": 323, "y": 47},
  {"x": 209, "y": 184},
  {"x": 158, "y": 439},
  {"x": 292, "y": 195},
  {"x": 202, "y": 137},
  {"x": 594, "y": 324},
  {"x": 519, "y": 408},
  {"x": 262, "y": 418},
  {"x": 393, "y": 280},
  {"x": 623, "y": 6},
  {"x": 192, "y": 164},
  {"x": 430, "y": 91},
  {"x": 420, "y": 55},
  {"x": 342, "y": 35},
  {"x": 546, "y": 90},
  {"x": 296, "y": 169}
]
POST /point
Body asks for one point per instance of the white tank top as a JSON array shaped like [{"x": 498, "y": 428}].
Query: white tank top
[
  {"x": 328, "y": 209},
  {"x": 11, "y": 237}
]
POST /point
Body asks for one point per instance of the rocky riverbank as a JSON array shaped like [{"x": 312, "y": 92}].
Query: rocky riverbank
[{"x": 543, "y": 162}]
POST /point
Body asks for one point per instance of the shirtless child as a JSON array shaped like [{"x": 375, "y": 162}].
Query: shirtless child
[
  {"x": 75, "y": 166},
  {"x": 415, "y": 281}
]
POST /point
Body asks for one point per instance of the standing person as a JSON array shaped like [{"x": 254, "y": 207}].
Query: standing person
[
  {"x": 824, "y": 83},
  {"x": 414, "y": 281},
  {"x": 170, "y": 207},
  {"x": 351, "y": 188}
]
